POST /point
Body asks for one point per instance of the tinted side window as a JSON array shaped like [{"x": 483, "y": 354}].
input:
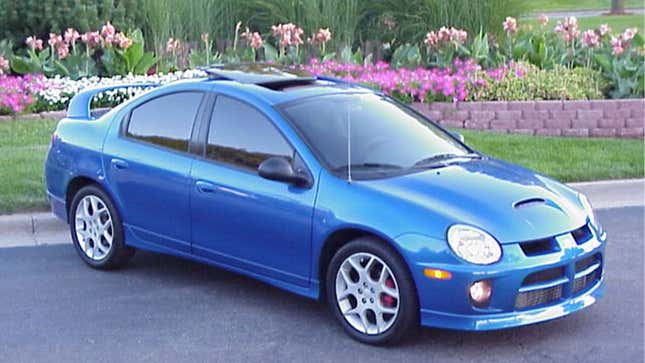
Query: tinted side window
[
  {"x": 166, "y": 121},
  {"x": 240, "y": 135}
]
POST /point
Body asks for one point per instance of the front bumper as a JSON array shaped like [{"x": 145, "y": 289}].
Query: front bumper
[
  {"x": 527, "y": 288},
  {"x": 513, "y": 319}
]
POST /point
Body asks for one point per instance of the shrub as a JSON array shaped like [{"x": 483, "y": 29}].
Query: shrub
[
  {"x": 24, "y": 18},
  {"x": 525, "y": 81}
]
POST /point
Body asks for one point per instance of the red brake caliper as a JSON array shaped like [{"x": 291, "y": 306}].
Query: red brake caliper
[{"x": 388, "y": 300}]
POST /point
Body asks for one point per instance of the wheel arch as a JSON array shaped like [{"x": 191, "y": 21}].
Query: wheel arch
[
  {"x": 341, "y": 237},
  {"x": 81, "y": 181}
]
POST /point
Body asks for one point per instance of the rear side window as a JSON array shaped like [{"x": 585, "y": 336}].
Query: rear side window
[
  {"x": 242, "y": 136},
  {"x": 166, "y": 121}
]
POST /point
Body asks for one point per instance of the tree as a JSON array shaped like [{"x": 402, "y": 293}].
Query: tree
[{"x": 617, "y": 7}]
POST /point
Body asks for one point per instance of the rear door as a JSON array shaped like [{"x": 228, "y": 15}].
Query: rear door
[
  {"x": 148, "y": 168},
  {"x": 240, "y": 218}
]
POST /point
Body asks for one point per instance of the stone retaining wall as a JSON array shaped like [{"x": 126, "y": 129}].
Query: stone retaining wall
[{"x": 597, "y": 118}]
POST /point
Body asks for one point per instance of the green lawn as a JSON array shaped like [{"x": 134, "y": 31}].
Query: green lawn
[
  {"x": 23, "y": 145},
  {"x": 556, "y": 5},
  {"x": 618, "y": 23},
  {"x": 565, "y": 159}
]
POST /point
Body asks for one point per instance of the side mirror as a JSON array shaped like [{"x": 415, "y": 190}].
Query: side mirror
[
  {"x": 280, "y": 169},
  {"x": 459, "y": 136}
]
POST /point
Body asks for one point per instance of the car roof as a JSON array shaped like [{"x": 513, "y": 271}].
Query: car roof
[{"x": 276, "y": 84}]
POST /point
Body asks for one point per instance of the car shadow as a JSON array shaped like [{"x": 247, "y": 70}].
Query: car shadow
[{"x": 229, "y": 287}]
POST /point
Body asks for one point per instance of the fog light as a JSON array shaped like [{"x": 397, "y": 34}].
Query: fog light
[{"x": 480, "y": 292}]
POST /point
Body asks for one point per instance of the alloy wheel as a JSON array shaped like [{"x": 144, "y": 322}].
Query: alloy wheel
[
  {"x": 94, "y": 227},
  {"x": 367, "y": 293}
]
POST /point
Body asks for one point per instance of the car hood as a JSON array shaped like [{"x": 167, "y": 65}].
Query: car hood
[{"x": 511, "y": 203}]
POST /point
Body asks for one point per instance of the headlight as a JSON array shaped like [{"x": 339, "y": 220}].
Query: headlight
[
  {"x": 473, "y": 244},
  {"x": 589, "y": 210}
]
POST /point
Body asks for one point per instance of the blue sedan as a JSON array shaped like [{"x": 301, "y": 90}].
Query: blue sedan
[{"x": 329, "y": 190}]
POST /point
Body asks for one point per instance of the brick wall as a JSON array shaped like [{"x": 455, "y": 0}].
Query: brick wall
[{"x": 597, "y": 118}]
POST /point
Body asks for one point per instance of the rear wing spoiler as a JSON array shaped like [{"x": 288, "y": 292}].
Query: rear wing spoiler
[{"x": 80, "y": 104}]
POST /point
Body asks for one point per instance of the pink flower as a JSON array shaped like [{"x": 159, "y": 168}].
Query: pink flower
[
  {"x": 172, "y": 45},
  {"x": 34, "y": 43},
  {"x": 590, "y": 39},
  {"x": 107, "y": 33},
  {"x": 432, "y": 39},
  {"x": 107, "y": 30},
  {"x": 122, "y": 41},
  {"x": 289, "y": 34},
  {"x": 323, "y": 36},
  {"x": 62, "y": 50},
  {"x": 543, "y": 19},
  {"x": 617, "y": 45},
  {"x": 54, "y": 40},
  {"x": 568, "y": 29},
  {"x": 510, "y": 25},
  {"x": 71, "y": 36},
  {"x": 604, "y": 29},
  {"x": 254, "y": 39},
  {"x": 4, "y": 65},
  {"x": 204, "y": 37},
  {"x": 629, "y": 34},
  {"x": 91, "y": 39},
  {"x": 445, "y": 35}
]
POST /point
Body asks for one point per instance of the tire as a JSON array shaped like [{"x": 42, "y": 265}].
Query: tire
[
  {"x": 369, "y": 290},
  {"x": 89, "y": 213}
]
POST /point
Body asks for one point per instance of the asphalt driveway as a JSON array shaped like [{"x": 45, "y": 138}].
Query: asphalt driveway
[{"x": 54, "y": 308}]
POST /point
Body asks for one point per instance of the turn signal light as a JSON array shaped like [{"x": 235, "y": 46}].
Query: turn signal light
[{"x": 434, "y": 273}]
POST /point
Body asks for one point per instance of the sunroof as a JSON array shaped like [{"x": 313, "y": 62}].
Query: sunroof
[{"x": 268, "y": 75}]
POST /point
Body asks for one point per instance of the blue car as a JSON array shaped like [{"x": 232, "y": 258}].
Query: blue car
[{"x": 329, "y": 190}]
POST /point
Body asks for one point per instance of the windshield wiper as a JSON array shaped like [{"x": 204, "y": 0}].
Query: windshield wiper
[
  {"x": 363, "y": 166},
  {"x": 439, "y": 160}
]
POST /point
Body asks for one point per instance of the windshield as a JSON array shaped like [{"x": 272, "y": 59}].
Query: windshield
[{"x": 384, "y": 135}]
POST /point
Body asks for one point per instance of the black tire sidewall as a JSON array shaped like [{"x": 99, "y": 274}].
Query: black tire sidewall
[
  {"x": 407, "y": 318},
  {"x": 118, "y": 249}
]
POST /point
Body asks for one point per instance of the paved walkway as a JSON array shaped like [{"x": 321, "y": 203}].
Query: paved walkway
[{"x": 581, "y": 13}]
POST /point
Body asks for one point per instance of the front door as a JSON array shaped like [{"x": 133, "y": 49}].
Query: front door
[{"x": 240, "y": 218}]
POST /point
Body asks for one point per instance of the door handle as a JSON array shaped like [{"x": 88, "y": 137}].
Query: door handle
[
  {"x": 119, "y": 164},
  {"x": 205, "y": 187}
]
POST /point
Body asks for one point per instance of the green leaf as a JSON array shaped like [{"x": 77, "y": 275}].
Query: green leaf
[
  {"x": 270, "y": 53},
  {"x": 146, "y": 62},
  {"x": 22, "y": 65},
  {"x": 61, "y": 69},
  {"x": 328, "y": 57},
  {"x": 133, "y": 55}
]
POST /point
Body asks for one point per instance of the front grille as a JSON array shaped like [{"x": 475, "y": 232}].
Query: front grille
[
  {"x": 582, "y": 283},
  {"x": 538, "y": 297},
  {"x": 566, "y": 281},
  {"x": 586, "y": 262},
  {"x": 544, "y": 276}
]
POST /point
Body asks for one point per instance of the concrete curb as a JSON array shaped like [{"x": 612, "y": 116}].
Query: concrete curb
[{"x": 35, "y": 229}]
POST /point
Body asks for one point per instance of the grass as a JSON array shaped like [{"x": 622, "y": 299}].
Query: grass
[
  {"x": 24, "y": 143},
  {"x": 618, "y": 23},
  {"x": 556, "y": 5},
  {"x": 565, "y": 159}
]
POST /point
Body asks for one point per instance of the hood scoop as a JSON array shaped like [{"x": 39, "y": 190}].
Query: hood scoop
[{"x": 531, "y": 202}]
